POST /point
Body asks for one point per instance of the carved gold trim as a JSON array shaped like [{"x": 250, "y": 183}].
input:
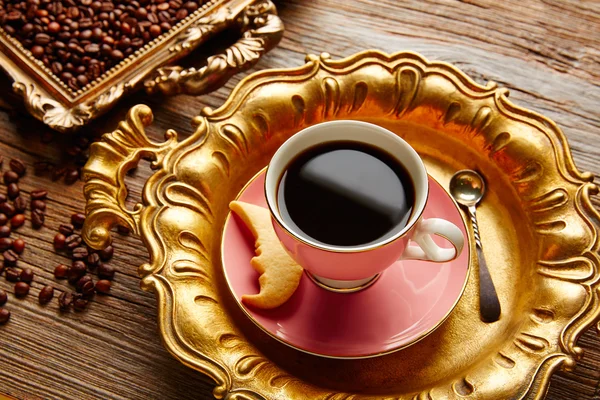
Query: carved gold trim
[
  {"x": 48, "y": 99},
  {"x": 544, "y": 257}
]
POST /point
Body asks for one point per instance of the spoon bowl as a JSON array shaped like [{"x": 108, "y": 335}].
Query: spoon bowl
[{"x": 467, "y": 187}]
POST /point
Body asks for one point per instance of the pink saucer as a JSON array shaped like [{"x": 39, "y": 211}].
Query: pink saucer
[{"x": 408, "y": 301}]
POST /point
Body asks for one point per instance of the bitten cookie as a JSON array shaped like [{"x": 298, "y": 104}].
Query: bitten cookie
[{"x": 279, "y": 273}]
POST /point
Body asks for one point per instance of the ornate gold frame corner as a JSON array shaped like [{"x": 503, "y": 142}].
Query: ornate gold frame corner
[
  {"x": 48, "y": 99},
  {"x": 185, "y": 206}
]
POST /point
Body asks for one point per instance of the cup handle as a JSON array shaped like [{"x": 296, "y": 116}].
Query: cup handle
[{"x": 426, "y": 249}]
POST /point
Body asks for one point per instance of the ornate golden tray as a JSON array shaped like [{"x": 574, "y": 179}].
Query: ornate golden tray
[
  {"x": 538, "y": 227},
  {"x": 50, "y": 100}
]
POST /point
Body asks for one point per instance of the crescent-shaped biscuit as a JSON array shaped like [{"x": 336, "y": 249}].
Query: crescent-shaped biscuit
[{"x": 279, "y": 273}]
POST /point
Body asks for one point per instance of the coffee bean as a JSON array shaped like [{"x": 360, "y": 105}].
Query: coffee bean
[
  {"x": 37, "y": 219},
  {"x": 38, "y": 205},
  {"x": 46, "y": 294},
  {"x": 58, "y": 173},
  {"x": 21, "y": 289},
  {"x": 7, "y": 209},
  {"x": 3, "y": 297},
  {"x": 10, "y": 177},
  {"x": 78, "y": 219},
  {"x": 53, "y": 27},
  {"x": 65, "y": 300},
  {"x": 61, "y": 271},
  {"x": 4, "y": 316},
  {"x": 73, "y": 241},
  {"x": 12, "y": 275},
  {"x": 72, "y": 174},
  {"x": 17, "y": 166},
  {"x": 17, "y": 221},
  {"x": 80, "y": 304},
  {"x": 59, "y": 241},
  {"x": 10, "y": 258},
  {"x": 37, "y": 51},
  {"x": 181, "y": 14},
  {"x": 42, "y": 39},
  {"x": 27, "y": 275},
  {"x": 41, "y": 167},
  {"x": 93, "y": 260},
  {"x": 39, "y": 194},
  {"x": 6, "y": 243},
  {"x": 82, "y": 281},
  {"x": 106, "y": 272},
  {"x": 3, "y": 219},
  {"x": 76, "y": 272},
  {"x": 88, "y": 289},
  {"x": 4, "y": 231},
  {"x": 66, "y": 229},
  {"x": 80, "y": 253},
  {"x": 155, "y": 30},
  {"x": 20, "y": 204},
  {"x": 18, "y": 246},
  {"x": 3, "y": 198},
  {"x": 106, "y": 253},
  {"x": 12, "y": 190},
  {"x": 103, "y": 286}
]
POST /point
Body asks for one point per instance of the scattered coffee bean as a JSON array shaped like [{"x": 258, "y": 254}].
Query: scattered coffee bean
[
  {"x": 10, "y": 177},
  {"x": 66, "y": 229},
  {"x": 46, "y": 294},
  {"x": 73, "y": 241},
  {"x": 4, "y": 316},
  {"x": 65, "y": 300},
  {"x": 18, "y": 246},
  {"x": 20, "y": 204},
  {"x": 80, "y": 253},
  {"x": 71, "y": 175},
  {"x": 106, "y": 272},
  {"x": 17, "y": 221},
  {"x": 17, "y": 166},
  {"x": 37, "y": 219},
  {"x": 7, "y": 209},
  {"x": 88, "y": 289},
  {"x": 82, "y": 281},
  {"x": 93, "y": 261},
  {"x": 58, "y": 173},
  {"x": 80, "y": 304},
  {"x": 21, "y": 289},
  {"x": 61, "y": 271},
  {"x": 78, "y": 219},
  {"x": 59, "y": 241},
  {"x": 10, "y": 258},
  {"x": 39, "y": 194},
  {"x": 6, "y": 243},
  {"x": 3, "y": 198},
  {"x": 3, "y": 297},
  {"x": 3, "y": 219},
  {"x": 12, "y": 275},
  {"x": 4, "y": 231},
  {"x": 103, "y": 286},
  {"x": 106, "y": 253},
  {"x": 76, "y": 272},
  {"x": 27, "y": 275},
  {"x": 12, "y": 190},
  {"x": 40, "y": 167},
  {"x": 38, "y": 205}
]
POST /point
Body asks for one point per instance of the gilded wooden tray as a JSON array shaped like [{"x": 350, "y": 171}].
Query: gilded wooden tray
[
  {"x": 50, "y": 100},
  {"x": 538, "y": 227}
]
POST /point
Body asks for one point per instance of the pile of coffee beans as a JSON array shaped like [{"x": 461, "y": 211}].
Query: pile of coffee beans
[
  {"x": 79, "y": 40},
  {"x": 12, "y": 216},
  {"x": 84, "y": 260}
]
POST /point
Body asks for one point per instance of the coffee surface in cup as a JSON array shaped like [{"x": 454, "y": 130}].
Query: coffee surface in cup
[{"x": 346, "y": 194}]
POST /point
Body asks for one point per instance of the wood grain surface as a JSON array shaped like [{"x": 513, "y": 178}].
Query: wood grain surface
[{"x": 546, "y": 52}]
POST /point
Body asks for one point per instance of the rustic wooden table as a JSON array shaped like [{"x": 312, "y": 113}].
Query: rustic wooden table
[{"x": 547, "y": 52}]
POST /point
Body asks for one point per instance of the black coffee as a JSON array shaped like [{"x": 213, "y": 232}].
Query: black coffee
[{"x": 346, "y": 194}]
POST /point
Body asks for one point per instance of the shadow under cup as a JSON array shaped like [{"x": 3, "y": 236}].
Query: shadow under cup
[{"x": 345, "y": 268}]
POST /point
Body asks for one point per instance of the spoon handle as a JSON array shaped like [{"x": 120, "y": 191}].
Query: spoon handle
[{"x": 489, "y": 305}]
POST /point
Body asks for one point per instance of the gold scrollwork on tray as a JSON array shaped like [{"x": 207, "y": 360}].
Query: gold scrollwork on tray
[{"x": 539, "y": 215}]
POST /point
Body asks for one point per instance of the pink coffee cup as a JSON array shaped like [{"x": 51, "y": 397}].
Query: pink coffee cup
[{"x": 347, "y": 267}]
